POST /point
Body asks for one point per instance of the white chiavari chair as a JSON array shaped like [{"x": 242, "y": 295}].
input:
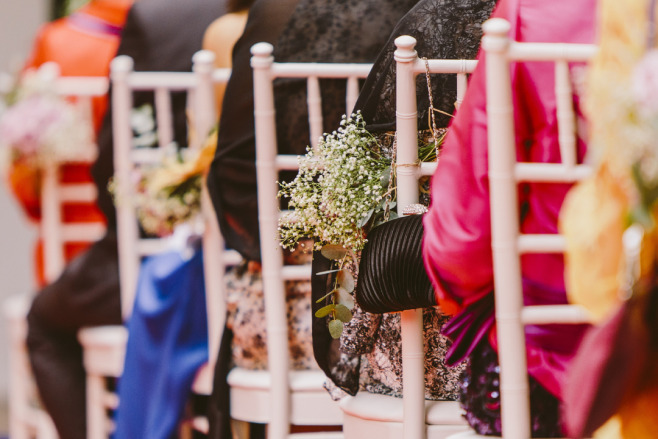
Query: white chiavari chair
[
  {"x": 370, "y": 415},
  {"x": 104, "y": 347},
  {"x": 216, "y": 258},
  {"x": 26, "y": 418},
  {"x": 280, "y": 396},
  {"x": 508, "y": 244}
]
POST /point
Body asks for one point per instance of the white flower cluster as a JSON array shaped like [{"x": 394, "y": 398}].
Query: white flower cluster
[
  {"x": 161, "y": 209},
  {"x": 166, "y": 193},
  {"x": 338, "y": 188},
  {"x": 40, "y": 127}
]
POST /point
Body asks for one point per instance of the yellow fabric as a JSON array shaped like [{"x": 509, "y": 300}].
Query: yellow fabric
[
  {"x": 592, "y": 221},
  {"x": 594, "y": 215},
  {"x": 174, "y": 173},
  {"x": 595, "y": 212},
  {"x": 638, "y": 415},
  {"x": 622, "y": 44},
  {"x": 610, "y": 430}
]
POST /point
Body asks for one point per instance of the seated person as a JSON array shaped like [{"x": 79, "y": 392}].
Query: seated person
[
  {"x": 338, "y": 32},
  {"x": 457, "y": 244},
  {"x": 82, "y": 44},
  {"x": 87, "y": 293},
  {"x": 95, "y": 29},
  {"x": 377, "y": 336},
  {"x": 221, "y": 36}
]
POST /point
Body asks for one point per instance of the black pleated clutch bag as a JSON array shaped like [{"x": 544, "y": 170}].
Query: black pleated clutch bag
[{"x": 392, "y": 276}]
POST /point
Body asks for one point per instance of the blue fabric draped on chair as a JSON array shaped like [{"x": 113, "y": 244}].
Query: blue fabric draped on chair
[{"x": 168, "y": 342}]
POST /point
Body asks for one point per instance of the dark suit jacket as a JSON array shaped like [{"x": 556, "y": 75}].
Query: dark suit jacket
[{"x": 160, "y": 35}]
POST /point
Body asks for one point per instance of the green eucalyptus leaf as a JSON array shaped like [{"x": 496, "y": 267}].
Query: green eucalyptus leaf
[
  {"x": 344, "y": 298},
  {"x": 334, "y": 252},
  {"x": 363, "y": 221},
  {"x": 322, "y": 273},
  {"x": 335, "y": 328},
  {"x": 345, "y": 280},
  {"x": 343, "y": 313},
  {"x": 393, "y": 215},
  {"x": 324, "y": 297},
  {"x": 386, "y": 176},
  {"x": 325, "y": 310}
]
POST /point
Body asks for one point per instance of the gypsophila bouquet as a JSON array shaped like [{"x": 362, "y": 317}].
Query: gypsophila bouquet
[
  {"x": 39, "y": 127},
  {"x": 344, "y": 188},
  {"x": 160, "y": 208},
  {"x": 337, "y": 189}
]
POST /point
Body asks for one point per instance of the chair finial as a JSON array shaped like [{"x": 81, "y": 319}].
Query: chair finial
[
  {"x": 496, "y": 38},
  {"x": 262, "y": 55},
  {"x": 122, "y": 64},
  {"x": 49, "y": 71},
  {"x": 203, "y": 60},
  {"x": 406, "y": 51}
]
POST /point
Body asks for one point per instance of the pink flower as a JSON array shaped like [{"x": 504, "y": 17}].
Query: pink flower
[
  {"x": 26, "y": 125},
  {"x": 645, "y": 83}
]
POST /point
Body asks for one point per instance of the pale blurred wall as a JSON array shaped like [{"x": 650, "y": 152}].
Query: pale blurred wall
[{"x": 19, "y": 20}]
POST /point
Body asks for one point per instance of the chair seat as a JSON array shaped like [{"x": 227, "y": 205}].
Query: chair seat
[
  {"x": 469, "y": 435},
  {"x": 104, "y": 349},
  {"x": 311, "y": 404},
  {"x": 319, "y": 435},
  {"x": 380, "y": 416},
  {"x": 300, "y": 380},
  {"x": 384, "y": 408}
]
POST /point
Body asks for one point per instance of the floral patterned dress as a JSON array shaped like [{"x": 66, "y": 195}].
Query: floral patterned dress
[
  {"x": 246, "y": 316},
  {"x": 377, "y": 338}
]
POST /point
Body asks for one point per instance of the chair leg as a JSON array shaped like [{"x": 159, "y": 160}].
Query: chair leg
[
  {"x": 18, "y": 394},
  {"x": 240, "y": 429},
  {"x": 96, "y": 414},
  {"x": 45, "y": 427}
]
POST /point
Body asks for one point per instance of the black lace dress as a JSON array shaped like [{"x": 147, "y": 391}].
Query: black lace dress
[{"x": 369, "y": 355}]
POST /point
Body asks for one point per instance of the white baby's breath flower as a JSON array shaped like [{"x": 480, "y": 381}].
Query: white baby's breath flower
[{"x": 337, "y": 186}]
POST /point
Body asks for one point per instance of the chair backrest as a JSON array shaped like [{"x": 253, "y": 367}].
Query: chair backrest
[
  {"x": 55, "y": 193},
  {"x": 198, "y": 86},
  {"x": 504, "y": 176},
  {"x": 268, "y": 165},
  {"x": 408, "y": 172}
]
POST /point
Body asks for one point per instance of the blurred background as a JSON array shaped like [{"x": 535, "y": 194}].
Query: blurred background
[{"x": 19, "y": 22}]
